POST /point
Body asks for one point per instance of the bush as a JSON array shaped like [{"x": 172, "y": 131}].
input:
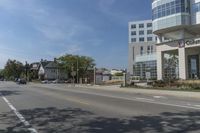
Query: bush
[
  {"x": 189, "y": 85},
  {"x": 159, "y": 83}
]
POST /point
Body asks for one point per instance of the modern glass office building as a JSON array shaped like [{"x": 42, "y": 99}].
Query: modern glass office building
[
  {"x": 142, "y": 49},
  {"x": 179, "y": 21}
]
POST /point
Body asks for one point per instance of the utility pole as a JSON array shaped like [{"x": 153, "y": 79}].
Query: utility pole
[
  {"x": 94, "y": 75},
  {"x": 26, "y": 69},
  {"x": 77, "y": 69},
  {"x": 56, "y": 62}
]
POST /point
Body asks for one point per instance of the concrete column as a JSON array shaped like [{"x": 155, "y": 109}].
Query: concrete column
[
  {"x": 159, "y": 39},
  {"x": 159, "y": 55},
  {"x": 182, "y": 63}
]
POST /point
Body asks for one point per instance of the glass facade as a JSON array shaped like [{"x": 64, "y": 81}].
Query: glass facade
[
  {"x": 196, "y": 7},
  {"x": 140, "y": 69},
  {"x": 176, "y": 6}
]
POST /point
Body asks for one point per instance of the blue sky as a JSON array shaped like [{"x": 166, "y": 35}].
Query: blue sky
[{"x": 35, "y": 29}]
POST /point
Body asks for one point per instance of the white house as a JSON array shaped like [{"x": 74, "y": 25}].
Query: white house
[{"x": 49, "y": 70}]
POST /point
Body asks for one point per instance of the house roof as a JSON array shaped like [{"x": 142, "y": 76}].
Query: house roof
[
  {"x": 35, "y": 66},
  {"x": 49, "y": 64}
]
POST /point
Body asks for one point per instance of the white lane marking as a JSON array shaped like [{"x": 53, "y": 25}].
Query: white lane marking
[
  {"x": 145, "y": 99},
  {"x": 130, "y": 99},
  {"x": 197, "y": 105},
  {"x": 21, "y": 118},
  {"x": 159, "y": 97}
]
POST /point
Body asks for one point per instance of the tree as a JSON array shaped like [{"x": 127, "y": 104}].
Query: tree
[
  {"x": 13, "y": 69},
  {"x": 119, "y": 74},
  {"x": 170, "y": 67},
  {"x": 80, "y": 64},
  {"x": 1, "y": 74}
]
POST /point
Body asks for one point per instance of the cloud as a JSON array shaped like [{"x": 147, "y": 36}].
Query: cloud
[{"x": 55, "y": 32}]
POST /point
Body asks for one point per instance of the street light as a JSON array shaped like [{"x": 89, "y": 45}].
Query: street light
[
  {"x": 77, "y": 69},
  {"x": 26, "y": 70},
  {"x": 94, "y": 75}
]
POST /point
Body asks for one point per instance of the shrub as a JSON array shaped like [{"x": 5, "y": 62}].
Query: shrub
[{"x": 159, "y": 83}]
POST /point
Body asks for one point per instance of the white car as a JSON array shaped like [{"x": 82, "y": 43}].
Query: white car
[{"x": 45, "y": 82}]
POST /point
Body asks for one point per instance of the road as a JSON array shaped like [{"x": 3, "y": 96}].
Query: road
[{"x": 57, "y": 108}]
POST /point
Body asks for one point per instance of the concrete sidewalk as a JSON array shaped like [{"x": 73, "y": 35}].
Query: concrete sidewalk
[{"x": 183, "y": 94}]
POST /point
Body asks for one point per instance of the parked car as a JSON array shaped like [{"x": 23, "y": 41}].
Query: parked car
[
  {"x": 58, "y": 81},
  {"x": 21, "y": 81},
  {"x": 69, "y": 81},
  {"x": 45, "y": 82}
]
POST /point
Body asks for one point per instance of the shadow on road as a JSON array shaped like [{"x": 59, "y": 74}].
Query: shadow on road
[
  {"x": 74, "y": 120},
  {"x": 8, "y": 92}
]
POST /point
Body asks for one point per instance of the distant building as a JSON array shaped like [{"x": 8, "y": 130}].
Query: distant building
[
  {"x": 115, "y": 71},
  {"x": 49, "y": 70},
  {"x": 141, "y": 49}
]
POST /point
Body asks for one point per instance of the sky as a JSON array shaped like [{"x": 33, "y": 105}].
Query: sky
[{"x": 31, "y": 30}]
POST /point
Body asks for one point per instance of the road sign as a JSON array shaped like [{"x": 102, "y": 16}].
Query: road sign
[
  {"x": 148, "y": 75},
  {"x": 73, "y": 73}
]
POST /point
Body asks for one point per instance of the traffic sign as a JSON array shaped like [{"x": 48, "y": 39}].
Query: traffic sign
[{"x": 73, "y": 73}]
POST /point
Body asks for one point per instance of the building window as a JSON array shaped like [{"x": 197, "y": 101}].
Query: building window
[
  {"x": 141, "y": 39},
  {"x": 170, "y": 8},
  {"x": 141, "y": 25},
  {"x": 133, "y": 26},
  {"x": 140, "y": 69},
  {"x": 196, "y": 7},
  {"x": 141, "y": 32},
  {"x": 133, "y": 39},
  {"x": 133, "y": 33},
  {"x": 151, "y": 48},
  {"x": 149, "y": 32},
  {"x": 166, "y": 39},
  {"x": 149, "y": 25},
  {"x": 149, "y": 38},
  {"x": 141, "y": 50},
  {"x": 148, "y": 49}
]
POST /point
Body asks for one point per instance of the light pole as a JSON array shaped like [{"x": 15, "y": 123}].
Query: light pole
[
  {"x": 26, "y": 70},
  {"x": 77, "y": 66},
  {"x": 55, "y": 60},
  {"x": 94, "y": 75}
]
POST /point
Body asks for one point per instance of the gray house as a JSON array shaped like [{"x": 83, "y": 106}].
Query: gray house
[{"x": 49, "y": 70}]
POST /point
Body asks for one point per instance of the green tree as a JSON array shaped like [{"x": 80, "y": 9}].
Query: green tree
[
  {"x": 80, "y": 64},
  {"x": 119, "y": 74},
  {"x": 13, "y": 69},
  {"x": 1, "y": 74}
]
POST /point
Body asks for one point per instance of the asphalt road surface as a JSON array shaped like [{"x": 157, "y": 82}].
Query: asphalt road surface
[{"x": 57, "y": 108}]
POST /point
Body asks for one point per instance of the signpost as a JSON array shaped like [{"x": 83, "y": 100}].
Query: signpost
[
  {"x": 73, "y": 73},
  {"x": 148, "y": 76}
]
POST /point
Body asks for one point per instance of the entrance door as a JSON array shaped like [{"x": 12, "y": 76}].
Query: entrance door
[{"x": 193, "y": 68}]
